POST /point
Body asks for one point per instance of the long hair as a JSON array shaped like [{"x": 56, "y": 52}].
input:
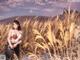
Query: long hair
[{"x": 17, "y": 22}]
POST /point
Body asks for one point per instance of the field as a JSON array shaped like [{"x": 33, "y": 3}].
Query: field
[{"x": 48, "y": 39}]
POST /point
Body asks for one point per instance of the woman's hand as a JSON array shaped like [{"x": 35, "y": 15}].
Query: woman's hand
[
  {"x": 14, "y": 41},
  {"x": 11, "y": 47},
  {"x": 17, "y": 44}
]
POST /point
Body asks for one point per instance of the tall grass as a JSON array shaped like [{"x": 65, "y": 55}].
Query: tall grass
[{"x": 56, "y": 37}]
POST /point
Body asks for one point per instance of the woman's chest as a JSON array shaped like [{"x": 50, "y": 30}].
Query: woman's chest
[{"x": 14, "y": 35}]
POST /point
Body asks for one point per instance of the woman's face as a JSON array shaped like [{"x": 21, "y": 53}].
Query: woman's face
[{"x": 15, "y": 26}]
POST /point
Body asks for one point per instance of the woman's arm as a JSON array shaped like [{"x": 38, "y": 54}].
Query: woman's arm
[
  {"x": 9, "y": 34},
  {"x": 18, "y": 40},
  {"x": 19, "y": 36},
  {"x": 17, "y": 44}
]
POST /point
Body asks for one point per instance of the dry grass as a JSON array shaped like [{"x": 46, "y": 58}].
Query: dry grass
[{"x": 57, "y": 38}]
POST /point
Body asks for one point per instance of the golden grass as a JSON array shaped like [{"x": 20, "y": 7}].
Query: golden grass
[{"x": 51, "y": 36}]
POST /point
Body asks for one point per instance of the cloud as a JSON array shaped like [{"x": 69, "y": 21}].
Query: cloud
[
  {"x": 6, "y": 5},
  {"x": 32, "y": 7},
  {"x": 4, "y": 8},
  {"x": 74, "y": 1},
  {"x": 48, "y": 10},
  {"x": 1, "y": 17},
  {"x": 14, "y": 3}
]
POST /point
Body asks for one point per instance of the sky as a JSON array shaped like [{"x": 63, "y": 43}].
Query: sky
[{"x": 9, "y": 8}]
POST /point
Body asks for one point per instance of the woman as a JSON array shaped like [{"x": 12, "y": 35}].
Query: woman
[{"x": 14, "y": 39}]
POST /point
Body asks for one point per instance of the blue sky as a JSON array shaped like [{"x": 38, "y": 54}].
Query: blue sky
[{"x": 10, "y": 8}]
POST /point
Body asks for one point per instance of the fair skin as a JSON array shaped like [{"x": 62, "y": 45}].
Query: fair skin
[{"x": 15, "y": 41}]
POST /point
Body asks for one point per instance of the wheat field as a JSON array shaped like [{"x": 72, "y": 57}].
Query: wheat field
[{"x": 50, "y": 39}]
